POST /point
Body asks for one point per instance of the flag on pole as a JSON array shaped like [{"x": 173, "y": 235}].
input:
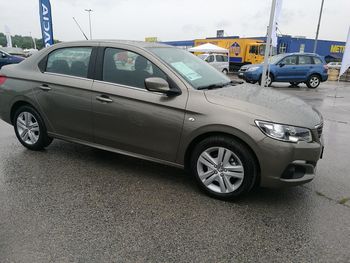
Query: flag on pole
[
  {"x": 345, "y": 64},
  {"x": 8, "y": 36},
  {"x": 46, "y": 22},
  {"x": 276, "y": 22}
]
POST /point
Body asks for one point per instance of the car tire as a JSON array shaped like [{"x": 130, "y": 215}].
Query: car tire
[
  {"x": 225, "y": 71},
  {"x": 269, "y": 83},
  {"x": 313, "y": 81},
  {"x": 30, "y": 129},
  {"x": 233, "y": 176}
]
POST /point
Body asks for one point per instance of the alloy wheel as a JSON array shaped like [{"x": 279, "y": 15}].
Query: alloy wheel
[
  {"x": 28, "y": 128},
  {"x": 220, "y": 170},
  {"x": 314, "y": 81}
]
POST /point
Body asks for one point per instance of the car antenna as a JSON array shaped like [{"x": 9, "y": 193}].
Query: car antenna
[{"x": 81, "y": 30}]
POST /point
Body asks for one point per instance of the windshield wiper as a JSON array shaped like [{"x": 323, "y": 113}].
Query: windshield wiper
[
  {"x": 221, "y": 85},
  {"x": 212, "y": 86}
]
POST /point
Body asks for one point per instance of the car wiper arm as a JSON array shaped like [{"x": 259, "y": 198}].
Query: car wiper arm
[{"x": 212, "y": 86}]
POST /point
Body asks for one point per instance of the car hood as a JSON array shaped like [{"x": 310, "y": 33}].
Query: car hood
[{"x": 266, "y": 104}]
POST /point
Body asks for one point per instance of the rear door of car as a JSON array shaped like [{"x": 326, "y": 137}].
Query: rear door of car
[
  {"x": 305, "y": 67},
  {"x": 130, "y": 118},
  {"x": 64, "y": 91}
]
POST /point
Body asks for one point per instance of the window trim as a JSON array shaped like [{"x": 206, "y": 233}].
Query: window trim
[{"x": 42, "y": 65}]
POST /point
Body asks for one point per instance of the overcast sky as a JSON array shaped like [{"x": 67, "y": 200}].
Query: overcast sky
[{"x": 176, "y": 19}]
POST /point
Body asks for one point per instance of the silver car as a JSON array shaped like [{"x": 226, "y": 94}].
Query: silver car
[{"x": 162, "y": 104}]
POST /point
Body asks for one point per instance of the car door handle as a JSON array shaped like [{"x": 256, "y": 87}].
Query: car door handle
[
  {"x": 45, "y": 87},
  {"x": 104, "y": 98}
]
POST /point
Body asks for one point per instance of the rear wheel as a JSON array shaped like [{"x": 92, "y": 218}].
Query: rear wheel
[
  {"x": 313, "y": 82},
  {"x": 30, "y": 129},
  {"x": 223, "y": 167}
]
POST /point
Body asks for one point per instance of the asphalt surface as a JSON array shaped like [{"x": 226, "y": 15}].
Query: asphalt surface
[{"x": 72, "y": 203}]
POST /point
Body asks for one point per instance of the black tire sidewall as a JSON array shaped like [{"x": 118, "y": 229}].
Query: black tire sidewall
[
  {"x": 238, "y": 148},
  {"x": 43, "y": 140},
  {"x": 308, "y": 81}
]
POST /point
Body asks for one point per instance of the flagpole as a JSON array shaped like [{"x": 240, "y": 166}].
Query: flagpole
[{"x": 268, "y": 44}]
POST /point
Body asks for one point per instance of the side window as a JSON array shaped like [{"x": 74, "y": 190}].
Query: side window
[
  {"x": 72, "y": 61},
  {"x": 210, "y": 58},
  {"x": 253, "y": 50},
  {"x": 318, "y": 60},
  {"x": 291, "y": 60},
  {"x": 219, "y": 58},
  {"x": 305, "y": 60},
  {"x": 225, "y": 58},
  {"x": 128, "y": 68}
]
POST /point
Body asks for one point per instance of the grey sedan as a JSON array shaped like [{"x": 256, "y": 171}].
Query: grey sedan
[{"x": 163, "y": 104}]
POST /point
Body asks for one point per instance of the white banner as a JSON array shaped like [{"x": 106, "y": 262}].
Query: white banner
[
  {"x": 345, "y": 64},
  {"x": 8, "y": 36},
  {"x": 276, "y": 22}
]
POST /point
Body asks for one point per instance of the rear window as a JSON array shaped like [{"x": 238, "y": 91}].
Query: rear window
[
  {"x": 305, "y": 60},
  {"x": 72, "y": 61}
]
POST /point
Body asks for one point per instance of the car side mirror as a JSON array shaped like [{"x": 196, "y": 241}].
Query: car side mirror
[
  {"x": 159, "y": 85},
  {"x": 282, "y": 65}
]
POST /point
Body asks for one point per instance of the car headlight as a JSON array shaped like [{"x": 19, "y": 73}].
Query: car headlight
[
  {"x": 252, "y": 68},
  {"x": 285, "y": 133}
]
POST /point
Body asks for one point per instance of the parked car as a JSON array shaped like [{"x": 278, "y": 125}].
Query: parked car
[
  {"x": 218, "y": 61},
  {"x": 6, "y": 59},
  {"x": 170, "y": 107},
  {"x": 335, "y": 65},
  {"x": 294, "y": 68}
]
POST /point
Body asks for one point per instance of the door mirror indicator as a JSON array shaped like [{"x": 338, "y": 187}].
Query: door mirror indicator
[{"x": 159, "y": 85}]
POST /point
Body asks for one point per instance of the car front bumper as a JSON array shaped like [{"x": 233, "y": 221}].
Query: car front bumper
[{"x": 285, "y": 164}]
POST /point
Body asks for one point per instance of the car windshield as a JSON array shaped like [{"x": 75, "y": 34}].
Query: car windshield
[
  {"x": 275, "y": 59},
  {"x": 196, "y": 71}
]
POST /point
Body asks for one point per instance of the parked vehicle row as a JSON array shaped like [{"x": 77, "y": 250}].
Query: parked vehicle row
[
  {"x": 169, "y": 106},
  {"x": 294, "y": 68}
]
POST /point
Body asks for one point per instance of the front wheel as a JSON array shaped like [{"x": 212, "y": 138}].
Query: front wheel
[
  {"x": 223, "y": 167},
  {"x": 30, "y": 129},
  {"x": 225, "y": 71},
  {"x": 269, "y": 80},
  {"x": 313, "y": 82}
]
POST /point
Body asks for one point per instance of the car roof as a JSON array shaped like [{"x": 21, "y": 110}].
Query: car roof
[
  {"x": 141, "y": 44},
  {"x": 302, "y": 54}
]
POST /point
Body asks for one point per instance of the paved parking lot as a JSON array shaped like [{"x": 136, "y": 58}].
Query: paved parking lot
[{"x": 72, "y": 203}]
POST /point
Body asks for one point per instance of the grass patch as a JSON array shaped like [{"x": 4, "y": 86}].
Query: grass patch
[{"x": 343, "y": 200}]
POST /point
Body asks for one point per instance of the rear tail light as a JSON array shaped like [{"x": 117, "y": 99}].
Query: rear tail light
[{"x": 3, "y": 78}]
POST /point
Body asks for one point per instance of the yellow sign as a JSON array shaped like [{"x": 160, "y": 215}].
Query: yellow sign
[
  {"x": 337, "y": 49},
  {"x": 151, "y": 39}
]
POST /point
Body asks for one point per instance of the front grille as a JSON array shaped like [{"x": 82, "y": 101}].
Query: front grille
[{"x": 319, "y": 129}]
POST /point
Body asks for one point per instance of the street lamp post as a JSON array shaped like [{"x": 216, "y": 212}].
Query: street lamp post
[
  {"x": 318, "y": 27},
  {"x": 89, "y": 10}
]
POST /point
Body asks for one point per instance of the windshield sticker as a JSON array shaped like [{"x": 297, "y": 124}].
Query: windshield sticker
[{"x": 186, "y": 71}]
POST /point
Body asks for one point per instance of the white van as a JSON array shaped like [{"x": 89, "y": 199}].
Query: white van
[{"x": 218, "y": 61}]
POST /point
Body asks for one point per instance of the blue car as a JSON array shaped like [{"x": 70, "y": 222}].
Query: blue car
[
  {"x": 294, "y": 68},
  {"x": 6, "y": 59}
]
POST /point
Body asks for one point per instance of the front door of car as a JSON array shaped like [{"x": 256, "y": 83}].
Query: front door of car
[
  {"x": 130, "y": 118},
  {"x": 64, "y": 92},
  {"x": 286, "y": 69},
  {"x": 305, "y": 65}
]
